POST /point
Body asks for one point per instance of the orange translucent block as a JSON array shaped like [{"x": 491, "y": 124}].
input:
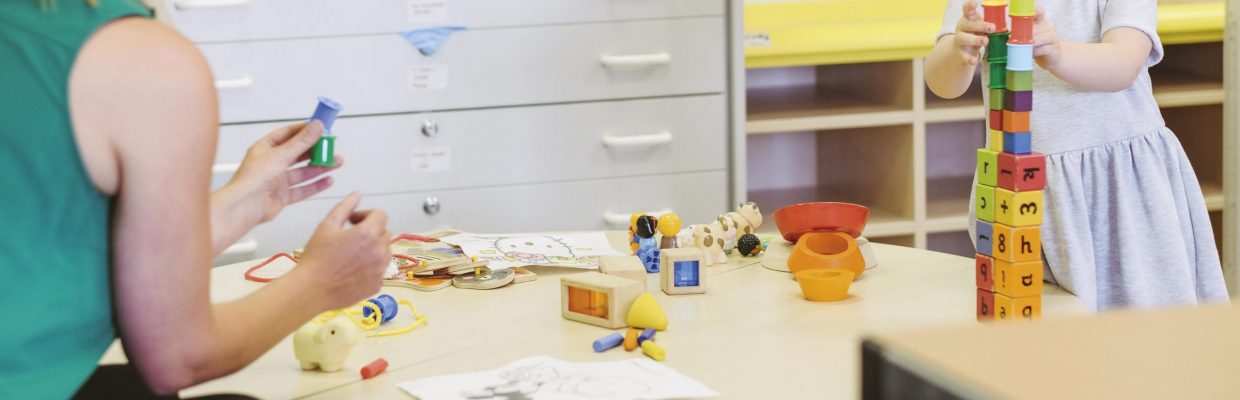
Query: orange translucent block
[
  {"x": 1016, "y": 244},
  {"x": 985, "y": 305},
  {"x": 588, "y": 302},
  {"x": 1017, "y": 308},
  {"x": 1022, "y": 279},
  {"x": 1015, "y": 121}
]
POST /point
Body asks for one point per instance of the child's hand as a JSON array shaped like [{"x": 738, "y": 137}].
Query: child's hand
[
  {"x": 970, "y": 36},
  {"x": 1046, "y": 49}
]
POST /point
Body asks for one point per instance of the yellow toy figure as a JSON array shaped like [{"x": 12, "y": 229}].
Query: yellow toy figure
[
  {"x": 669, "y": 226},
  {"x": 633, "y": 231}
]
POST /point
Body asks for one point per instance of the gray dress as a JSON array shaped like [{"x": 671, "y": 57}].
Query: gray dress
[{"x": 1126, "y": 224}]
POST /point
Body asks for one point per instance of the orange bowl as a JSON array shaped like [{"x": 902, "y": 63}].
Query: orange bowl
[
  {"x": 825, "y": 284},
  {"x": 795, "y": 220},
  {"x": 835, "y": 250}
]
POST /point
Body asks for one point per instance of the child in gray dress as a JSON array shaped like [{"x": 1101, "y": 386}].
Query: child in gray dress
[{"x": 1126, "y": 223}]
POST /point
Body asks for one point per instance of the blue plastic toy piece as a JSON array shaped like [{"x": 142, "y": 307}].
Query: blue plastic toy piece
[
  {"x": 985, "y": 237},
  {"x": 1017, "y": 143},
  {"x": 326, "y": 112},
  {"x": 386, "y": 304},
  {"x": 645, "y": 335},
  {"x": 607, "y": 342},
  {"x": 650, "y": 257}
]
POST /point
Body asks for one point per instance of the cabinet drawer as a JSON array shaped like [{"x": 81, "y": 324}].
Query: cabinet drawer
[
  {"x": 507, "y": 146},
  {"x": 277, "y": 80},
  {"x": 206, "y": 21},
  {"x": 584, "y": 205}
]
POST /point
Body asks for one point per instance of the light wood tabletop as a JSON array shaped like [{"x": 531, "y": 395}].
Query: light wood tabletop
[{"x": 751, "y": 335}]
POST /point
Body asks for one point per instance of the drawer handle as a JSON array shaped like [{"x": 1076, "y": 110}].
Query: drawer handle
[
  {"x": 636, "y": 60},
  {"x": 235, "y": 83},
  {"x": 622, "y": 220},
  {"x": 247, "y": 246},
  {"x": 431, "y": 206},
  {"x": 225, "y": 169},
  {"x": 207, "y": 4},
  {"x": 656, "y": 139}
]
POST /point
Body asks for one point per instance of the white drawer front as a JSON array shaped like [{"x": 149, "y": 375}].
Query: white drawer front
[
  {"x": 265, "y": 81},
  {"x": 507, "y": 146},
  {"x": 696, "y": 197},
  {"x": 206, "y": 21}
]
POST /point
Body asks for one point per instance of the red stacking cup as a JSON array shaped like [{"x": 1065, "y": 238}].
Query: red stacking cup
[
  {"x": 996, "y": 14},
  {"x": 1022, "y": 30}
]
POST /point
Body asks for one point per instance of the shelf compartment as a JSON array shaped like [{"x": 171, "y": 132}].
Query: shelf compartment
[
  {"x": 954, "y": 242},
  {"x": 1189, "y": 75},
  {"x": 951, "y": 158},
  {"x": 1200, "y": 130},
  {"x": 968, "y": 107},
  {"x": 868, "y": 166},
  {"x": 896, "y": 240},
  {"x": 829, "y": 97}
]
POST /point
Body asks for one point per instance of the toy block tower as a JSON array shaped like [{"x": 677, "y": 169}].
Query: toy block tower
[{"x": 1010, "y": 176}]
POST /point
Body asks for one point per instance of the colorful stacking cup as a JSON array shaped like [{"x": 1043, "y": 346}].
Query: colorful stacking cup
[
  {"x": 1020, "y": 57},
  {"x": 996, "y": 47},
  {"x": 1017, "y": 100},
  {"x": 996, "y": 99},
  {"x": 1022, "y": 8},
  {"x": 1018, "y": 80},
  {"x": 998, "y": 75},
  {"x": 1022, "y": 30},
  {"x": 996, "y": 14}
]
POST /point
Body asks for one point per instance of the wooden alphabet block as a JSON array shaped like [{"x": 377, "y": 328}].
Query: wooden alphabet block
[
  {"x": 1015, "y": 121},
  {"x": 1017, "y": 308},
  {"x": 1017, "y": 100},
  {"x": 629, "y": 267},
  {"x": 985, "y": 305},
  {"x": 994, "y": 140},
  {"x": 996, "y": 95},
  {"x": 984, "y": 239},
  {"x": 598, "y": 299},
  {"x": 1022, "y": 172},
  {"x": 996, "y": 120},
  {"x": 984, "y": 205},
  {"x": 987, "y": 167},
  {"x": 985, "y": 268},
  {"x": 1017, "y": 142},
  {"x": 682, "y": 271},
  {"x": 1018, "y": 209},
  {"x": 1021, "y": 279},
  {"x": 1016, "y": 244}
]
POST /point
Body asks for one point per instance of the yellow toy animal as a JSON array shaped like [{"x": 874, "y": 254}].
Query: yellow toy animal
[{"x": 325, "y": 344}]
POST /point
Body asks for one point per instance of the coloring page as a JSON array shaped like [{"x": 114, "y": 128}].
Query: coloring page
[
  {"x": 577, "y": 250},
  {"x": 545, "y": 378}
]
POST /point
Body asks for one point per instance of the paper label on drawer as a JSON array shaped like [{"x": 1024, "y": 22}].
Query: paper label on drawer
[
  {"x": 428, "y": 77},
  {"x": 432, "y": 159},
  {"x": 428, "y": 11},
  {"x": 758, "y": 39}
]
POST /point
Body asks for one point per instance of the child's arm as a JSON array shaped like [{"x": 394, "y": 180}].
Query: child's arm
[
  {"x": 950, "y": 65},
  {"x": 1110, "y": 66}
]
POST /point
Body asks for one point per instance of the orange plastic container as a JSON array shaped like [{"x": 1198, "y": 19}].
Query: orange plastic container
[
  {"x": 827, "y": 250},
  {"x": 825, "y": 284},
  {"x": 799, "y": 219}
]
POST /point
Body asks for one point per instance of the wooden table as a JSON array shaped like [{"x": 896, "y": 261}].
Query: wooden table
[
  {"x": 751, "y": 335},
  {"x": 1185, "y": 353}
]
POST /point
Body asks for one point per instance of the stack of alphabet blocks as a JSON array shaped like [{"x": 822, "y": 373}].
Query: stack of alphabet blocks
[{"x": 1010, "y": 175}]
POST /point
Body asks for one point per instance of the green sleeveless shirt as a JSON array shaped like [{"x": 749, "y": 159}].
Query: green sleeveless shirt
[{"x": 55, "y": 285}]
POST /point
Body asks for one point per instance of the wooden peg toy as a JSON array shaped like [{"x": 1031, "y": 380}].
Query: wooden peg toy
[
  {"x": 1015, "y": 121},
  {"x": 1017, "y": 142},
  {"x": 647, "y": 247},
  {"x": 633, "y": 230},
  {"x": 985, "y": 305},
  {"x": 628, "y": 267},
  {"x": 984, "y": 233},
  {"x": 985, "y": 272},
  {"x": 682, "y": 271},
  {"x": 630, "y": 339},
  {"x": 598, "y": 299},
  {"x": 994, "y": 140},
  {"x": 987, "y": 167},
  {"x": 1016, "y": 244},
  {"x": 669, "y": 226},
  {"x": 607, "y": 342},
  {"x": 984, "y": 205},
  {"x": 653, "y": 350},
  {"x": 1018, "y": 209},
  {"x": 1022, "y": 172},
  {"x": 1021, "y": 279},
  {"x": 1017, "y": 308}
]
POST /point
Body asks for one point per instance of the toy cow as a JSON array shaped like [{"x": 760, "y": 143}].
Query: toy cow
[
  {"x": 712, "y": 246},
  {"x": 748, "y": 218}
]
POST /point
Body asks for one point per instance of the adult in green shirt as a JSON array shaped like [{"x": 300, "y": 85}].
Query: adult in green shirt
[{"x": 109, "y": 122}]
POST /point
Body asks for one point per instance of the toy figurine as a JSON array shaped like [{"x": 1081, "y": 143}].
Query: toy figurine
[
  {"x": 647, "y": 247},
  {"x": 633, "y": 230},
  {"x": 729, "y": 233},
  {"x": 748, "y": 218},
  {"x": 704, "y": 238},
  {"x": 325, "y": 344},
  {"x": 669, "y": 226},
  {"x": 749, "y": 245}
]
